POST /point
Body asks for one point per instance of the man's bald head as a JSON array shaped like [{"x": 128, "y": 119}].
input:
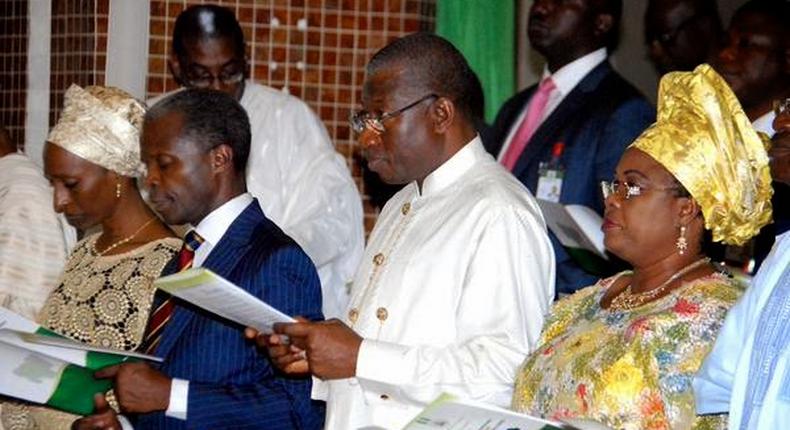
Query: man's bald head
[{"x": 201, "y": 22}]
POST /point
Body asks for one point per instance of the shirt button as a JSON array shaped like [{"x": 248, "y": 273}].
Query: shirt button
[
  {"x": 382, "y": 314},
  {"x": 405, "y": 208},
  {"x": 384, "y": 397},
  {"x": 378, "y": 259},
  {"x": 353, "y": 314}
]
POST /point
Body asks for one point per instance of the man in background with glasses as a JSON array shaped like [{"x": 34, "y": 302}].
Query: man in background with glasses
[
  {"x": 458, "y": 271},
  {"x": 301, "y": 182}
]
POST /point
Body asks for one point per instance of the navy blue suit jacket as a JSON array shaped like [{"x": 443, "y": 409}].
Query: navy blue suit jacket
[
  {"x": 600, "y": 117},
  {"x": 231, "y": 383}
]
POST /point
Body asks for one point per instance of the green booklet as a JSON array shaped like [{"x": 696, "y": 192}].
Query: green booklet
[{"x": 43, "y": 367}]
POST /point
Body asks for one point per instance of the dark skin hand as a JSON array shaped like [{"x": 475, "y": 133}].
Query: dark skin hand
[
  {"x": 327, "y": 349},
  {"x": 289, "y": 358},
  {"x": 103, "y": 418},
  {"x": 138, "y": 388}
]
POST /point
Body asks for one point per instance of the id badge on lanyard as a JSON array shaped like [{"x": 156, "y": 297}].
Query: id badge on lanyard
[{"x": 551, "y": 174}]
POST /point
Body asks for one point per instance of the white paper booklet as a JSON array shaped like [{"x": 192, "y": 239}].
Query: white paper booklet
[
  {"x": 23, "y": 333},
  {"x": 575, "y": 226},
  {"x": 207, "y": 290},
  {"x": 40, "y": 366},
  {"x": 450, "y": 413}
]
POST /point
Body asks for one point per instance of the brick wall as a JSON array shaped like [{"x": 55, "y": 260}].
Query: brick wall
[
  {"x": 13, "y": 67},
  {"x": 315, "y": 49},
  {"x": 78, "y": 49}
]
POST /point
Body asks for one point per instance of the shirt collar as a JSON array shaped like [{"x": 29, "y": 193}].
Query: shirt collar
[
  {"x": 765, "y": 123},
  {"x": 216, "y": 223},
  {"x": 566, "y": 78},
  {"x": 454, "y": 168}
]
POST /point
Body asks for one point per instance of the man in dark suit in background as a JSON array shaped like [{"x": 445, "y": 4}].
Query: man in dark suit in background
[
  {"x": 583, "y": 114},
  {"x": 195, "y": 145}
]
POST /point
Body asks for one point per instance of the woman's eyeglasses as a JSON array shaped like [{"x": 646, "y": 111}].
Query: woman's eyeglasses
[{"x": 625, "y": 190}]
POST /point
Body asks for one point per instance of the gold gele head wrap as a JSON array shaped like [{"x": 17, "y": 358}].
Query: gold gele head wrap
[
  {"x": 102, "y": 125},
  {"x": 703, "y": 137}
]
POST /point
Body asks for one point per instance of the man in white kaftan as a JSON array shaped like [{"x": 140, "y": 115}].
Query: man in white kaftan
[
  {"x": 459, "y": 271},
  {"x": 34, "y": 240},
  {"x": 301, "y": 182},
  {"x": 747, "y": 373}
]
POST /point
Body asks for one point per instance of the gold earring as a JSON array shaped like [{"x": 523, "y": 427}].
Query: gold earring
[
  {"x": 118, "y": 189},
  {"x": 682, "y": 244}
]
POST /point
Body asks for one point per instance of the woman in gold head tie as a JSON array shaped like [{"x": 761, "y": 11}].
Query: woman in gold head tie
[
  {"x": 623, "y": 352},
  {"x": 92, "y": 160}
]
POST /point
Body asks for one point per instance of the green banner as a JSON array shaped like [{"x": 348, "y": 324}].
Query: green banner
[{"x": 484, "y": 31}]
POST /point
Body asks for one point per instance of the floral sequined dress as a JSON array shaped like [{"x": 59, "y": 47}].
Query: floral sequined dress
[
  {"x": 626, "y": 369},
  {"x": 101, "y": 300}
]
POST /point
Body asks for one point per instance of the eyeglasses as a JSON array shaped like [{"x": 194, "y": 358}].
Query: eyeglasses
[
  {"x": 362, "y": 120},
  {"x": 205, "y": 80},
  {"x": 625, "y": 190}
]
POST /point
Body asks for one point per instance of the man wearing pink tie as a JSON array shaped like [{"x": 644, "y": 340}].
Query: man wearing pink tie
[{"x": 564, "y": 135}]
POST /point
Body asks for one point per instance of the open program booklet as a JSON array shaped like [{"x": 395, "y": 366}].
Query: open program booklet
[
  {"x": 207, "y": 290},
  {"x": 575, "y": 226},
  {"x": 451, "y": 413},
  {"x": 43, "y": 367}
]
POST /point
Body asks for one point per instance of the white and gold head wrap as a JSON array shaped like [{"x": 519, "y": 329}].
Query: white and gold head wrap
[
  {"x": 703, "y": 137},
  {"x": 102, "y": 125}
]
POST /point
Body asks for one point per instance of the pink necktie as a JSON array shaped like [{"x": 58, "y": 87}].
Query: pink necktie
[{"x": 537, "y": 106}]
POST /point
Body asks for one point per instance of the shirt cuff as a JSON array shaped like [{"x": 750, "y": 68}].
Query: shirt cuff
[
  {"x": 125, "y": 424},
  {"x": 382, "y": 361},
  {"x": 179, "y": 396}
]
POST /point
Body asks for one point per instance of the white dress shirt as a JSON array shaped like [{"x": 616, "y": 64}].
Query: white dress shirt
[
  {"x": 450, "y": 295},
  {"x": 565, "y": 80},
  {"x": 211, "y": 229},
  {"x": 727, "y": 376},
  {"x": 305, "y": 187},
  {"x": 765, "y": 123}
]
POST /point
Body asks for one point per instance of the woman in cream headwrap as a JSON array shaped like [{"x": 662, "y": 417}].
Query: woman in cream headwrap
[
  {"x": 623, "y": 352},
  {"x": 92, "y": 158}
]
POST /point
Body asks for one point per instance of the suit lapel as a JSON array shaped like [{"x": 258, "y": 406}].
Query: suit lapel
[
  {"x": 508, "y": 121},
  {"x": 550, "y": 131},
  {"x": 223, "y": 258}
]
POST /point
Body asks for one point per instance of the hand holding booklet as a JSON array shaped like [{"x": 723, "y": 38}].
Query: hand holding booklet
[
  {"x": 43, "y": 367},
  {"x": 207, "y": 290}
]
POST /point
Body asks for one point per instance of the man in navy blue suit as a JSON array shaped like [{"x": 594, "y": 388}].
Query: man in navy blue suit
[
  {"x": 583, "y": 114},
  {"x": 195, "y": 145}
]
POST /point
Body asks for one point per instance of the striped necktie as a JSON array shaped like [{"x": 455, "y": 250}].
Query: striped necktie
[{"x": 164, "y": 311}]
